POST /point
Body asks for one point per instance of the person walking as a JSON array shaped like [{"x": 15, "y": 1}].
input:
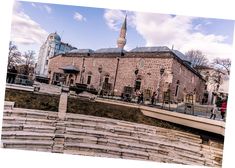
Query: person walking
[
  {"x": 214, "y": 110},
  {"x": 138, "y": 94},
  {"x": 153, "y": 98},
  {"x": 142, "y": 98},
  {"x": 223, "y": 108}
]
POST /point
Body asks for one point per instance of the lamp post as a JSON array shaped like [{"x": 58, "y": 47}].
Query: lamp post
[
  {"x": 162, "y": 70},
  {"x": 82, "y": 75},
  {"x": 100, "y": 69},
  {"x": 136, "y": 73}
]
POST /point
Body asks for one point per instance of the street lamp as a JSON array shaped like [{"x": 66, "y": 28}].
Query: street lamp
[
  {"x": 100, "y": 69},
  {"x": 82, "y": 74},
  {"x": 162, "y": 70}
]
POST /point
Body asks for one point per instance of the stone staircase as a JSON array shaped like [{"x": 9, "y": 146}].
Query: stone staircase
[{"x": 103, "y": 137}]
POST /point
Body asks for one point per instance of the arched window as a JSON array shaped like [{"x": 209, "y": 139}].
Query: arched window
[
  {"x": 137, "y": 84},
  {"x": 89, "y": 79},
  {"x": 89, "y": 74},
  {"x": 106, "y": 78},
  {"x": 177, "y": 88}
]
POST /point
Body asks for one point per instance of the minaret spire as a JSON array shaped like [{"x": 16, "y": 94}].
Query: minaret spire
[{"x": 121, "y": 42}]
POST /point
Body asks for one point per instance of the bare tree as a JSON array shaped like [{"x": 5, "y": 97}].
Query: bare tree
[
  {"x": 28, "y": 61},
  {"x": 225, "y": 64},
  {"x": 14, "y": 56},
  {"x": 197, "y": 58},
  {"x": 217, "y": 78}
]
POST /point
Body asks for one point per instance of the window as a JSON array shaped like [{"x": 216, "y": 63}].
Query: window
[
  {"x": 106, "y": 80},
  {"x": 46, "y": 62},
  {"x": 71, "y": 81},
  {"x": 177, "y": 88},
  {"x": 89, "y": 80},
  {"x": 137, "y": 84}
]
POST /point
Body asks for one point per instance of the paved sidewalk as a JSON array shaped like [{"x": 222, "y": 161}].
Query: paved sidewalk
[{"x": 205, "y": 109}]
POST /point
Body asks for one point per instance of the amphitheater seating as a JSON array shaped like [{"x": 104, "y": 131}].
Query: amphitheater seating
[{"x": 103, "y": 137}]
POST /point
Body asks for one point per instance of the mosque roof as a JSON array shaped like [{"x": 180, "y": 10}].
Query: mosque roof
[
  {"x": 110, "y": 50},
  {"x": 151, "y": 49},
  {"x": 180, "y": 55},
  {"x": 70, "y": 68},
  {"x": 81, "y": 51}
]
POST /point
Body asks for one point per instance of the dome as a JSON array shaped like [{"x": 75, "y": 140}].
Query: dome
[{"x": 54, "y": 36}]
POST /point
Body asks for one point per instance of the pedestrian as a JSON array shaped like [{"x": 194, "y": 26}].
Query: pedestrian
[
  {"x": 223, "y": 108},
  {"x": 153, "y": 98},
  {"x": 213, "y": 112},
  {"x": 138, "y": 94},
  {"x": 142, "y": 97}
]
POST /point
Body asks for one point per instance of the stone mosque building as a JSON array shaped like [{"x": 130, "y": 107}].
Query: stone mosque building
[{"x": 148, "y": 69}]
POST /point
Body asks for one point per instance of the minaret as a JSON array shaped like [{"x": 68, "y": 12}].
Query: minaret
[{"x": 121, "y": 42}]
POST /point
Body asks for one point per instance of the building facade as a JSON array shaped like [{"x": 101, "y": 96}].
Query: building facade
[
  {"x": 146, "y": 69},
  {"x": 153, "y": 69},
  {"x": 217, "y": 83},
  {"x": 52, "y": 46}
]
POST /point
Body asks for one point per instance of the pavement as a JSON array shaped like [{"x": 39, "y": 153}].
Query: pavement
[{"x": 204, "y": 111}]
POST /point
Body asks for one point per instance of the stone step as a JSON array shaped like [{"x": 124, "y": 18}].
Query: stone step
[
  {"x": 122, "y": 131},
  {"x": 12, "y": 127},
  {"x": 96, "y": 136},
  {"x": 123, "y": 138},
  {"x": 154, "y": 149},
  {"x": 44, "y": 146},
  {"x": 130, "y": 126},
  {"x": 28, "y": 121},
  {"x": 23, "y": 135},
  {"x": 29, "y": 128},
  {"x": 9, "y": 105},
  {"x": 36, "y": 145},
  {"x": 31, "y": 113},
  {"x": 126, "y": 124},
  {"x": 91, "y": 153},
  {"x": 104, "y": 150},
  {"x": 39, "y": 128}
]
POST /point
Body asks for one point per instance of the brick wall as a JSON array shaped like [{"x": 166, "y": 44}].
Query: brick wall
[
  {"x": 148, "y": 64},
  {"x": 188, "y": 82}
]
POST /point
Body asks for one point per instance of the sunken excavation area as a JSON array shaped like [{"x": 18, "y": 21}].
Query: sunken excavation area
[{"x": 42, "y": 130}]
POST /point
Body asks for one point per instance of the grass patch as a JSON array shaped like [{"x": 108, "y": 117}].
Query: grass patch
[
  {"x": 31, "y": 100},
  {"x": 99, "y": 109}
]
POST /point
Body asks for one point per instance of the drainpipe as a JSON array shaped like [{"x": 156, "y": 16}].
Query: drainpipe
[
  {"x": 82, "y": 71},
  {"x": 115, "y": 75}
]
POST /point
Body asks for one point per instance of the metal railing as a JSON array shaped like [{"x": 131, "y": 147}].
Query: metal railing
[{"x": 20, "y": 79}]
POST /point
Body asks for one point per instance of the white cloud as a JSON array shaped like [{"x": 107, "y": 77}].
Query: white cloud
[
  {"x": 25, "y": 30},
  {"x": 177, "y": 30},
  {"x": 198, "y": 27},
  {"x": 47, "y": 8},
  {"x": 77, "y": 16},
  {"x": 168, "y": 30},
  {"x": 114, "y": 18},
  {"x": 33, "y": 4},
  {"x": 208, "y": 23}
]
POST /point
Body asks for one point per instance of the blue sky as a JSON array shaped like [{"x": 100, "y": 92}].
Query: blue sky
[{"x": 96, "y": 28}]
